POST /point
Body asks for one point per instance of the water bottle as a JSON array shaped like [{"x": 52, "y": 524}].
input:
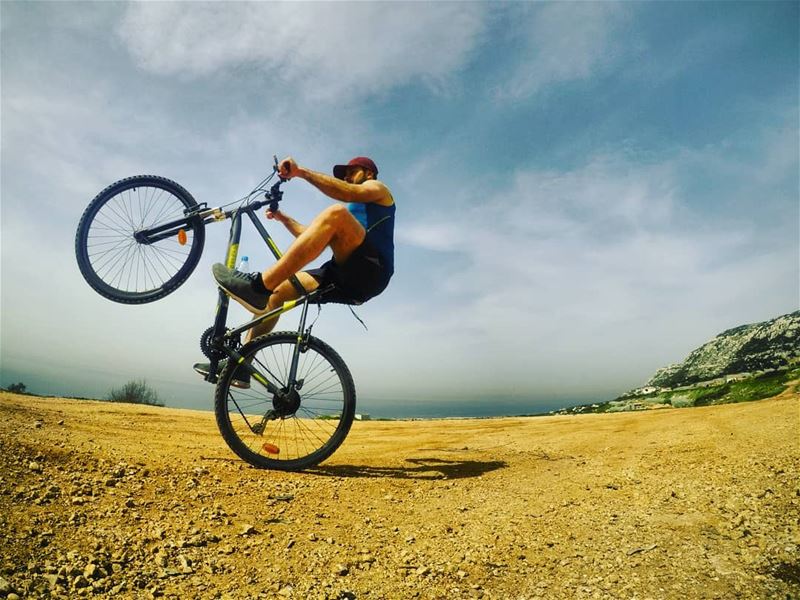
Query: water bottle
[{"x": 244, "y": 266}]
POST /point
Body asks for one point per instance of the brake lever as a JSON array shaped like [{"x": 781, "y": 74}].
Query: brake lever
[{"x": 275, "y": 195}]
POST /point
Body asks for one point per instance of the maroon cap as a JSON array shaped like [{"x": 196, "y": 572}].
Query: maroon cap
[{"x": 339, "y": 171}]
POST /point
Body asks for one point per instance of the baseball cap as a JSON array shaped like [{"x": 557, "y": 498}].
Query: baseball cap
[{"x": 339, "y": 171}]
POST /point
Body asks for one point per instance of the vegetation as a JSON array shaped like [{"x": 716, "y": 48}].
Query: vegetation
[
  {"x": 16, "y": 388},
  {"x": 757, "y": 387},
  {"x": 135, "y": 392}
]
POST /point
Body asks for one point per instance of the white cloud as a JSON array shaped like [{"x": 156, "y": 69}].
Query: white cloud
[
  {"x": 327, "y": 51},
  {"x": 562, "y": 42},
  {"x": 604, "y": 265}
]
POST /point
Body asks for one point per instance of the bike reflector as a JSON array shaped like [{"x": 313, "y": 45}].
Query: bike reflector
[
  {"x": 181, "y": 237},
  {"x": 271, "y": 449}
]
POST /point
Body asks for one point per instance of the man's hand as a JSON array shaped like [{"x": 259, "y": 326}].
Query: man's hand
[
  {"x": 288, "y": 168},
  {"x": 277, "y": 215}
]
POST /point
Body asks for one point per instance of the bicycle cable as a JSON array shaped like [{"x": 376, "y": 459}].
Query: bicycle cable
[{"x": 247, "y": 197}]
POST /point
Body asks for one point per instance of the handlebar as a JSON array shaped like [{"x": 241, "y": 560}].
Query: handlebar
[{"x": 275, "y": 195}]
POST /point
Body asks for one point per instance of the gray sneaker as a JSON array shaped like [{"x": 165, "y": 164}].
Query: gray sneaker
[
  {"x": 241, "y": 380},
  {"x": 245, "y": 288}
]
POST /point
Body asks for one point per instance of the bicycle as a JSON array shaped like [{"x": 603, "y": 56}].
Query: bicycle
[{"x": 141, "y": 238}]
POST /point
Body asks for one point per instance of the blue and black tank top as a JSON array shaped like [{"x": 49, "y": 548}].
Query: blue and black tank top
[{"x": 378, "y": 220}]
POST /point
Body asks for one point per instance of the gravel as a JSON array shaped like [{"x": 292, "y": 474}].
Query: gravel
[{"x": 122, "y": 501}]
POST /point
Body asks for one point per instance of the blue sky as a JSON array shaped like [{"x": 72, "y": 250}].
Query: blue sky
[{"x": 586, "y": 191}]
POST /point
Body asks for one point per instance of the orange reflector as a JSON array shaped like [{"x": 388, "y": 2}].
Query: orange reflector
[
  {"x": 181, "y": 237},
  {"x": 271, "y": 449}
]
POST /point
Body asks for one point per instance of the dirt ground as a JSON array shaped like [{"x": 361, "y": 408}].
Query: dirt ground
[{"x": 104, "y": 500}]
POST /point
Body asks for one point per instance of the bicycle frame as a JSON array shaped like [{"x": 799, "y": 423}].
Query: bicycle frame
[
  {"x": 228, "y": 339},
  {"x": 222, "y": 339}
]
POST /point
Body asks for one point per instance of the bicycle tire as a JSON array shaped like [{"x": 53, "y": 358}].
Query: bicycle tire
[
  {"x": 115, "y": 264},
  {"x": 310, "y": 433}
]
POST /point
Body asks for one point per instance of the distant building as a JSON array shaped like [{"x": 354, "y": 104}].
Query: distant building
[
  {"x": 737, "y": 377},
  {"x": 363, "y": 417}
]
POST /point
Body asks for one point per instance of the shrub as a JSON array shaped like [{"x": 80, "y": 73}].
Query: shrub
[
  {"x": 17, "y": 388},
  {"x": 135, "y": 392},
  {"x": 681, "y": 401}
]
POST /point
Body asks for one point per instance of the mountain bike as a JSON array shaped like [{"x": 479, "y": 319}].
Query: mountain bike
[{"x": 141, "y": 238}]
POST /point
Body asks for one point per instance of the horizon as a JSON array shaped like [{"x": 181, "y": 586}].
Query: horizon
[{"x": 586, "y": 192}]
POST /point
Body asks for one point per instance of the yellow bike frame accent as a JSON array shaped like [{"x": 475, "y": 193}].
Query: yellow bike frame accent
[{"x": 230, "y": 261}]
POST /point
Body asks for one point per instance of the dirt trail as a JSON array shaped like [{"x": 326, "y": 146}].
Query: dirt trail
[{"x": 110, "y": 500}]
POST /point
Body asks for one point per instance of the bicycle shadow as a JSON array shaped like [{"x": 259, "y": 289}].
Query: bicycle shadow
[{"x": 424, "y": 468}]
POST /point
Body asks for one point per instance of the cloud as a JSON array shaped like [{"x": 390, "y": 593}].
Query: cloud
[
  {"x": 326, "y": 51},
  {"x": 563, "y": 42},
  {"x": 606, "y": 265}
]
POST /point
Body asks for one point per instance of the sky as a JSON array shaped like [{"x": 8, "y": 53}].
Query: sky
[{"x": 585, "y": 192}]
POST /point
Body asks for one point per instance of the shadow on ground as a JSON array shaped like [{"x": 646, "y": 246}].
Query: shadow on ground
[{"x": 422, "y": 468}]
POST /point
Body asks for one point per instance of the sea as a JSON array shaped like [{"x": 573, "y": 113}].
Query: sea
[{"x": 455, "y": 409}]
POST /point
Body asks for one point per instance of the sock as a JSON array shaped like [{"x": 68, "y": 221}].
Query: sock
[{"x": 258, "y": 286}]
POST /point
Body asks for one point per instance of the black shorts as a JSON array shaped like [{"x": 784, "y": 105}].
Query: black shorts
[{"x": 361, "y": 277}]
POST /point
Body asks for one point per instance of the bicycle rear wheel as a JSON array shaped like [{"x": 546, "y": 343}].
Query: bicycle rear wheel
[
  {"x": 118, "y": 266},
  {"x": 288, "y": 434}
]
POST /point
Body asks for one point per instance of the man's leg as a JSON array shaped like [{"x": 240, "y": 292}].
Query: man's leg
[
  {"x": 335, "y": 227},
  {"x": 284, "y": 293}
]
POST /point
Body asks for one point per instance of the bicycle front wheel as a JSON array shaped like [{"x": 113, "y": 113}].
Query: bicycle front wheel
[
  {"x": 293, "y": 431},
  {"x": 115, "y": 263}
]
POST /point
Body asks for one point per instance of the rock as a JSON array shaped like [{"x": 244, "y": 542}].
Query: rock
[
  {"x": 185, "y": 563},
  {"x": 5, "y": 587},
  {"x": 91, "y": 571},
  {"x": 247, "y": 529},
  {"x": 35, "y": 466},
  {"x": 341, "y": 570},
  {"x": 744, "y": 349}
]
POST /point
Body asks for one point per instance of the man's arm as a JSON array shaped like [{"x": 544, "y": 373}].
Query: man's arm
[
  {"x": 369, "y": 191},
  {"x": 293, "y": 226}
]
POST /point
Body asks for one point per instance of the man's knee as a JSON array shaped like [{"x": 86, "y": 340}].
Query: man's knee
[{"x": 336, "y": 213}]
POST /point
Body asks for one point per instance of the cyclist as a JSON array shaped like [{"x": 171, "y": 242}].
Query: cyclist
[{"x": 360, "y": 234}]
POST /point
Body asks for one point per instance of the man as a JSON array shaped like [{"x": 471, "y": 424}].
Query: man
[{"x": 360, "y": 234}]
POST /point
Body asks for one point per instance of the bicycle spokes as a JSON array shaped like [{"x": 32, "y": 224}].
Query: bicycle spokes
[{"x": 302, "y": 422}]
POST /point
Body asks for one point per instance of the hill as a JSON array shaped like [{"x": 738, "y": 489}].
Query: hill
[
  {"x": 747, "y": 349},
  {"x": 124, "y": 501},
  {"x": 749, "y": 362}
]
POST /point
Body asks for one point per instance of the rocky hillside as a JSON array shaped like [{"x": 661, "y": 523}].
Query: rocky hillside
[{"x": 745, "y": 349}]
